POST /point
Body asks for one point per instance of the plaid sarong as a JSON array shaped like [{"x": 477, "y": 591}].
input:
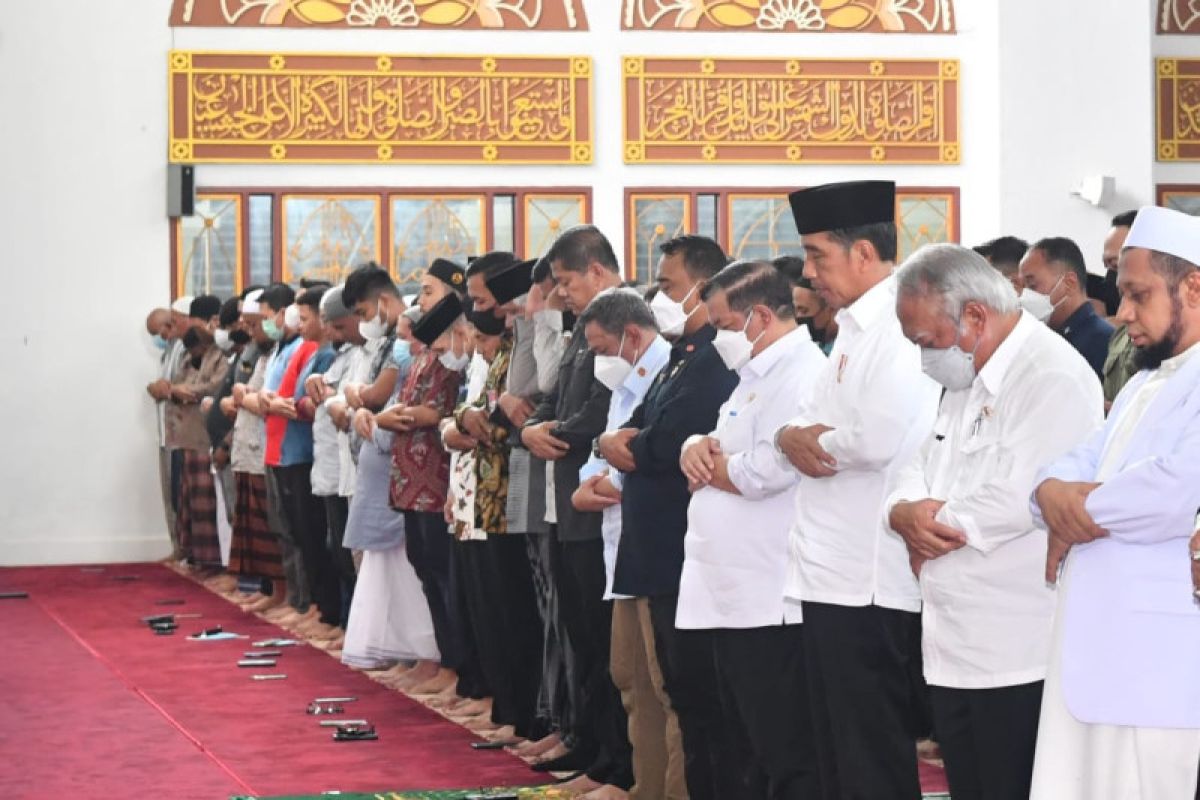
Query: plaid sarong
[
  {"x": 255, "y": 549},
  {"x": 196, "y": 520}
]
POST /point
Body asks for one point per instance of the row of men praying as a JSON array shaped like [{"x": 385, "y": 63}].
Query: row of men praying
[{"x": 682, "y": 543}]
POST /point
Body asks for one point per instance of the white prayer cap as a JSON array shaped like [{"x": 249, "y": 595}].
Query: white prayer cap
[
  {"x": 1166, "y": 231},
  {"x": 250, "y": 302},
  {"x": 183, "y": 305}
]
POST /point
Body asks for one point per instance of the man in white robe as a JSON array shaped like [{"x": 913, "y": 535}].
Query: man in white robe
[{"x": 1121, "y": 710}]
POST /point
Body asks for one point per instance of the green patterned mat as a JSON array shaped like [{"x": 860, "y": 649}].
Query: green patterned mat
[{"x": 524, "y": 793}]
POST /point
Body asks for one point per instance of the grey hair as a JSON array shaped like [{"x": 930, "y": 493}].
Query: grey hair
[
  {"x": 958, "y": 275},
  {"x": 614, "y": 309}
]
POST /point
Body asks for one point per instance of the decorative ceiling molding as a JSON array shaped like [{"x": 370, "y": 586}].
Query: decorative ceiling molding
[
  {"x": 811, "y": 16},
  {"x": 546, "y": 15}
]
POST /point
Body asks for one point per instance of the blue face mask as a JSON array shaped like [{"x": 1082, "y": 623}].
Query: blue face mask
[
  {"x": 402, "y": 353},
  {"x": 158, "y": 341}
]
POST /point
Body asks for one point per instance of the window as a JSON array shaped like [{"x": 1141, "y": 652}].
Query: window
[
  {"x": 325, "y": 236},
  {"x": 1180, "y": 197},
  {"x": 208, "y": 247},
  {"x": 242, "y": 236},
  {"x": 757, "y": 223}
]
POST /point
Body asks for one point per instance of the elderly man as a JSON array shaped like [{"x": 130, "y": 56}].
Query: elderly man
[
  {"x": 621, "y": 331},
  {"x": 849, "y": 575},
  {"x": 733, "y": 575},
  {"x": 1017, "y": 396},
  {"x": 1121, "y": 714}
]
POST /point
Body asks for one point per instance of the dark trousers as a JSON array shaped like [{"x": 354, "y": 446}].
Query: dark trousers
[
  {"x": 987, "y": 737},
  {"x": 865, "y": 714},
  {"x": 764, "y": 685},
  {"x": 310, "y": 570},
  {"x": 427, "y": 542},
  {"x": 554, "y": 693},
  {"x": 713, "y": 751},
  {"x": 472, "y": 683},
  {"x": 600, "y": 728},
  {"x": 337, "y": 511},
  {"x": 505, "y": 627}
]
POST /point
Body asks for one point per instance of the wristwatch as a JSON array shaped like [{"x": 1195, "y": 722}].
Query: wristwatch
[{"x": 596, "y": 447}]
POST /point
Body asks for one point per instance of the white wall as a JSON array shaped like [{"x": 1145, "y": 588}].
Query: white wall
[
  {"x": 1076, "y": 100},
  {"x": 82, "y": 208},
  {"x": 82, "y": 192}
]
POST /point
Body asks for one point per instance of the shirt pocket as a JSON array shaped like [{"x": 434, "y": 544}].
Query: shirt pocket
[{"x": 981, "y": 458}]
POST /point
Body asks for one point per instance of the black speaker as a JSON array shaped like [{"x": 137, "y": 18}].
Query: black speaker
[{"x": 181, "y": 190}]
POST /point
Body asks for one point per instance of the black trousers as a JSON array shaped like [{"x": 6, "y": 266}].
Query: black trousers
[
  {"x": 764, "y": 685},
  {"x": 337, "y": 511},
  {"x": 600, "y": 729},
  {"x": 554, "y": 695},
  {"x": 472, "y": 683},
  {"x": 505, "y": 628},
  {"x": 987, "y": 737},
  {"x": 713, "y": 747},
  {"x": 865, "y": 712},
  {"x": 305, "y": 515},
  {"x": 427, "y": 542}
]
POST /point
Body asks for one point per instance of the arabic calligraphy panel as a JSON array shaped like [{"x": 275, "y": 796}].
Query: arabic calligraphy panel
[
  {"x": 546, "y": 15},
  {"x": 1178, "y": 16},
  {"x": 705, "y": 110},
  {"x": 811, "y": 16},
  {"x": 1178, "y": 113},
  {"x": 278, "y": 108}
]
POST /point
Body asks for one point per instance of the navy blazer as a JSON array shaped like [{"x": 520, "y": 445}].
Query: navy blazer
[
  {"x": 1090, "y": 335},
  {"x": 685, "y": 399}
]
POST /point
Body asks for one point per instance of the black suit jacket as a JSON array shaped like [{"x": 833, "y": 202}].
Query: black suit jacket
[
  {"x": 579, "y": 405},
  {"x": 685, "y": 399}
]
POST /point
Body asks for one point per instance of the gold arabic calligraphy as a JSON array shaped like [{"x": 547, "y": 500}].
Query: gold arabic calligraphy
[
  {"x": 765, "y": 110},
  {"x": 392, "y": 109}
]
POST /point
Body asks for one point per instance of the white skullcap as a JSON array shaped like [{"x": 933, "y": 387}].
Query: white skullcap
[
  {"x": 183, "y": 305},
  {"x": 1166, "y": 231},
  {"x": 250, "y": 302}
]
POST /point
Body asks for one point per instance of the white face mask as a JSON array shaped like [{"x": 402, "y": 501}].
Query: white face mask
[
  {"x": 222, "y": 340},
  {"x": 454, "y": 363},
  {"x": 375, "y": 328},
  {"x": 612, "y": 370},
  {"x": 734, "y": 347},
  {"x": 670, "y": 315},
  {"x": 1039, "y": 304},
  {"x": 953, "y": 367},
  {"x": 291, "y": 317}
]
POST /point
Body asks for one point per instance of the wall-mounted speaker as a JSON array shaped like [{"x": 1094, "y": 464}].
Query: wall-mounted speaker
[{"x": 181, "y": 190}]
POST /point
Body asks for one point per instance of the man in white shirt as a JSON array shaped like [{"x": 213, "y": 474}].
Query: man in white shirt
[
  {"x": 870, "y": 409},
  {"x": 1121, "y": 712},
  {"x": 734, "y": 574},
  {"x": 1017, "y": 396},
  {"x": 621, "y": 331}
]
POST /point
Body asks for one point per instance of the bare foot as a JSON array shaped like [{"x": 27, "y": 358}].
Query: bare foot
[
  {"x": 579, "y": 786},
  {"x": 559, "y": 749},
  {"x": 443, "y": 680},
  {"x": 505, "y": 733},
  {"x": 533, "y": 749},
  {"x": 329, "y": 645},
  {"x": 251, "y": 599},
  {"x": 606, "y": 792},
  {"x": 472, "y": 709},
  {"x": 442, "y": 699},
  {"x": 423, "y": 671},
  {"x": 928, "y": 750},
  {"x": 480, "y": 724}
]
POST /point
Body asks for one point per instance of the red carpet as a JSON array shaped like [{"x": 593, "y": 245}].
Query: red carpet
[{"x": 96, "y": 705}]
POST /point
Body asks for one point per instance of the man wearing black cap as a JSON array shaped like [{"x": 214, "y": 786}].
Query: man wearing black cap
[
  {"x": 443, "y": 277},
  {"x": 421, "y": 476},
  {"x": 499, "y": 285},
  {"x": 561, "y": 430},
  {"x": 849, "y": 577},
  {"x": 502, "y": 611}
]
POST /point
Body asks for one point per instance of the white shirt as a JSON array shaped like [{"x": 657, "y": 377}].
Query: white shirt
[
  {"x": 625, "y": 399},
  {"x": 168, "y": 367},
  {"x": 881, "y": 407},
  {"x": 463, "y": 481},
  {"x": 734, "y": 574},
  {"x": 988, "y": 610}
]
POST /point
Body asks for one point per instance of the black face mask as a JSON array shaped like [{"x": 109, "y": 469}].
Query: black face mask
[
  {"x": 197, "y": 361},
  {"x": 239, "y": 337},
  {"x": 568, "y": 320},
  {"x": 1112, "y": 295}
]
